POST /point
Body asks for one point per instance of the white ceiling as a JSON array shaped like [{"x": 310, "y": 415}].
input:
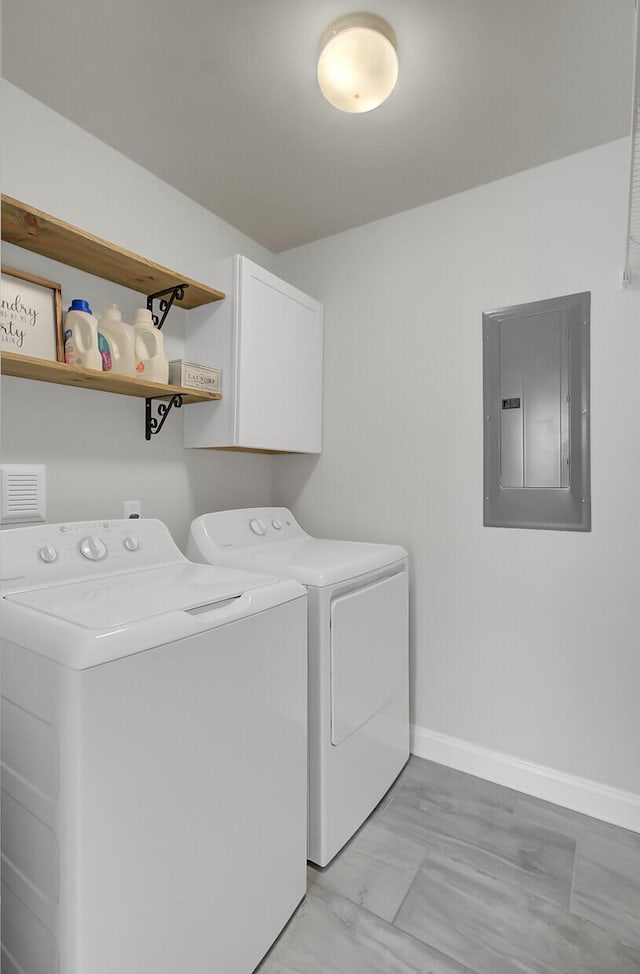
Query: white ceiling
[{"x": 219, "y": 97}]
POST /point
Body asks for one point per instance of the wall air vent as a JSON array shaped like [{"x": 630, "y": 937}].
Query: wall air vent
[{"x": 23, "y": 493}]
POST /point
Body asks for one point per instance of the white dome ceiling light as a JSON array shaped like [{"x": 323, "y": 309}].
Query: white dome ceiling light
[{"x": 358, "y": 63}]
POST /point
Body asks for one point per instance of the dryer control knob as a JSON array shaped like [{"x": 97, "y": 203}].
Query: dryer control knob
[
  {"x": 93, "y": 548},
  {"x": 257, "y": 526},
  {"x": 131, "y": 543},
  {"x": 48, "y": 554},
  {"x": 277, "y": 524}
]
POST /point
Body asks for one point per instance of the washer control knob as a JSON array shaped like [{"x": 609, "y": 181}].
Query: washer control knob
[
  {"x": 48, "y": 554},
  {"x": 257, "y": 526},
  {"x": 93, "y": 548},
  {"x": 277, "y": 524},
  {"x": 131, "y": 543}
]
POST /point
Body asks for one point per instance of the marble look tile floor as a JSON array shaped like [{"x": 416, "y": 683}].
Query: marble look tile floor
[{"x": 454, "y": 875}]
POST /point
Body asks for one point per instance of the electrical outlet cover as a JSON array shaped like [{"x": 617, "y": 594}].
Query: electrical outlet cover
[{"x": 131, "y": 508}]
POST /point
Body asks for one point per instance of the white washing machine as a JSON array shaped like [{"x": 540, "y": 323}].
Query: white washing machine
[
  {"x": 358, "y": 657},
  {"x": 154, "y": 719}
]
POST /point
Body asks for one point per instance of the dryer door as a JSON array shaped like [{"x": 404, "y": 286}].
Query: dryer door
[{"x": 369, "y": 651}]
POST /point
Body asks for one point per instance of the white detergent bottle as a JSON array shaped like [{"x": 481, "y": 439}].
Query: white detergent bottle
[
  {"x": 81, "y": 336},
  {"x": 151, "y": 361},
  {"x": 117, "y": 342}
]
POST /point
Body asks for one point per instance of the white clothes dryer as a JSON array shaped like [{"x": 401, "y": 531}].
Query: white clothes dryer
[
  {"x": 153, "y": 754},
  {"x": 358, "y": 657}
]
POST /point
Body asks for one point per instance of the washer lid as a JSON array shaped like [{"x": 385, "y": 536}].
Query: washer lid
[
  {"x": 85, "y": 623},
  {"x": 312, "y": 561},
  {"x": 107, "y": 603}
]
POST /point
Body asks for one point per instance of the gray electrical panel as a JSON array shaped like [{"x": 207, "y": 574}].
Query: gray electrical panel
[{"x": 536, "y": 415}]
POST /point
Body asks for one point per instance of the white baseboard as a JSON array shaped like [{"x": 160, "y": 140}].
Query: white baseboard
[{"x": 579, "y": 794}]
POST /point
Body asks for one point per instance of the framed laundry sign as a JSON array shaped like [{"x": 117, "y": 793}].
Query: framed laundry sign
[{"x": 30, "y": 316}]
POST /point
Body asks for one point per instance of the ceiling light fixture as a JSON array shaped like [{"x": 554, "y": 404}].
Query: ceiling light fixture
[{"x": 358, "y": 63}]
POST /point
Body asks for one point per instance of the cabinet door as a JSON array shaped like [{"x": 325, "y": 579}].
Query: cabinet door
[{"x": 279, "y": 374}]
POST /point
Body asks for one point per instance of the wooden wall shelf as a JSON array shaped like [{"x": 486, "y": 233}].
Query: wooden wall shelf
[
  {"x": 34, "y": 230},
  {"x": 24, "y": 367}
]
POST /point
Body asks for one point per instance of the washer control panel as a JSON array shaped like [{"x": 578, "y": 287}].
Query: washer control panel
[{"x": 49, "y": 554}]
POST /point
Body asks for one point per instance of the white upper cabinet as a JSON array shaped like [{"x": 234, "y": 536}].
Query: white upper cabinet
[{"x": 267, "y": 339}]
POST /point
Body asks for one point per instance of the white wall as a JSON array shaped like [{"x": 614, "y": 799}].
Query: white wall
[
  {"x": 522, "y": 641},
  {"x": 93, "y": 443}
]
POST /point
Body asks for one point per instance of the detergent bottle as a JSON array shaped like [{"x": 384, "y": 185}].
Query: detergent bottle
[
  {"x": 116, "y": 342},
  {"x": 81, "y": 336},
  {"x": 151, "y": 361}
]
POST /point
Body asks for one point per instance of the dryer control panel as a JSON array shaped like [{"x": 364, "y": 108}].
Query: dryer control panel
[{"x": 249, "y": 527}]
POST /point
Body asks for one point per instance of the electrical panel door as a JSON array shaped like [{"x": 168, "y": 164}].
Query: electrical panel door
[{"x": 536, "y": 415}]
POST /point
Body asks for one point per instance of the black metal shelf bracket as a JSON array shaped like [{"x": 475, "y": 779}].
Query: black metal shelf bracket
[
  {"x": 153, "y": 424},
  {"x": 174, "y": 294}
]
